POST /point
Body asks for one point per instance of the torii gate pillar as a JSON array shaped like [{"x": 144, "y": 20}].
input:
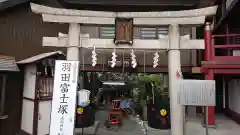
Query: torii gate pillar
[
  {"x": 174, "y": 66},
  {"x": 73, "y": 41}
]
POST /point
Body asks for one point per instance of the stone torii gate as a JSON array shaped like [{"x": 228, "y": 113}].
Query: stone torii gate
[{"x": 173, "y": 43}]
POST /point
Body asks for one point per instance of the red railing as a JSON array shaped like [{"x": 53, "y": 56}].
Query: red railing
[
  {"x": 226, "y": 42},
  {"x": 227, "y": 45}
]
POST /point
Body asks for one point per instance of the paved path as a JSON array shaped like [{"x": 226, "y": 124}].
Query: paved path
[{"x": 130, "y": 127}]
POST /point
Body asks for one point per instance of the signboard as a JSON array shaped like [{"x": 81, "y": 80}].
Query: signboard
[
  {"x": 196, "y": 92},
  {"x": 123, "y": 31},
  {"x": 64, "y": 97},
  {"x": 119, "y": 63}
]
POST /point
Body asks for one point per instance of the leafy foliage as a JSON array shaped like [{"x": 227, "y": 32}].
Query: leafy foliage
[
  {"x": 138, "y": 82},
  {"x": 155, "y": 80}
]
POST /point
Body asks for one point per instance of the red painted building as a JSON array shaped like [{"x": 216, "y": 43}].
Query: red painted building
[{"x": 221, "y": 61}]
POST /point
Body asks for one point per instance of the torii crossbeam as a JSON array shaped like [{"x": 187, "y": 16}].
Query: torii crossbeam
[{"x": 159, "y": 44}]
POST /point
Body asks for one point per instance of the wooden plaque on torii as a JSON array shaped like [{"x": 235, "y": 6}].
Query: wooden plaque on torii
[{"x": 123, "y": 31}]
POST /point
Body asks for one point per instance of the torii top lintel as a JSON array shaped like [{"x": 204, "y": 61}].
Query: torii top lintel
[{"x": 192, "y": 17}]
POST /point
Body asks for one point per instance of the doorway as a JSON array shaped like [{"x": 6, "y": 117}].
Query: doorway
[{"x": 219, "y": 108}]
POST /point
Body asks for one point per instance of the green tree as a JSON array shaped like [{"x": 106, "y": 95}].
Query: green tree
[{"x": 156, "y": 80}]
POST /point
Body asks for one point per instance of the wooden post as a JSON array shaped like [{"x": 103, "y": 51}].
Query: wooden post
[{"x": 3, "y": 95}]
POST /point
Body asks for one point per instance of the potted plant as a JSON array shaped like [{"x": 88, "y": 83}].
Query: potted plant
[
  {"x": 153, "y": 95},
  {"x": 158, "y": 103},
  {"x": 147, "y": 87}
]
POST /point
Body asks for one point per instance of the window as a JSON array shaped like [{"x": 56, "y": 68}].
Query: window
[
  {"x": 235, "y": 39},
  {"x": 148, "y": 33},
  {"x": 152, "y": 33},
  {"x": 165, "y": 80},
  {"x": 107, "y": 32},
  {"x": 45, "y": 86},
  {"x": 145, "y": 32}
]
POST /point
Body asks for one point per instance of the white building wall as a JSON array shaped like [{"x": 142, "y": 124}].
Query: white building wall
[
  {"x": 44, "y": 117},
  {"x": 234, "y": 91},
  {"x": 27, "y": 116},
  {"x": 236, "y": 52},
  {"x": 234, "y": 95},
  {"x": 29, "y": 81},
  {"x": 28, "y": 92}
]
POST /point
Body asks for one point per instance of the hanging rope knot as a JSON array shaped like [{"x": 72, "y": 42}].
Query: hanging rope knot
[
  {"x": 133, "y": 58},
  {"x": 94, "y": 57},
  {"x": 155, "y": 60},
  {"x": 114, "y": 56}
]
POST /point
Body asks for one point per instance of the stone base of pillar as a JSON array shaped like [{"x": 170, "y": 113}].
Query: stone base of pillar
[
  {"x": 209, "y": 126},
  {"x": 211, "y": 117}
]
